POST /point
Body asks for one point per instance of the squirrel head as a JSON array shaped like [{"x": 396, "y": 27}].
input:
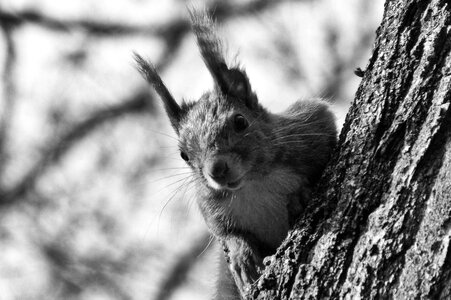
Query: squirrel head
[
  {"x": 223, "y": 140},
  {"x": 222, "y": 136}
]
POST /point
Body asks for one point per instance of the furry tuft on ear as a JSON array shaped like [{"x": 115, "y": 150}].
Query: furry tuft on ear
[
  {"x": 210, "y": 45},
  {"x": 149, "y": 72},
  {"x": 230, "y": 81}
]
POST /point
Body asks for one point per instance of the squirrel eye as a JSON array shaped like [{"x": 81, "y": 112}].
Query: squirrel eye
[
  {"x": 240, "y": 123},
  {"x": 184, "y": 156}
]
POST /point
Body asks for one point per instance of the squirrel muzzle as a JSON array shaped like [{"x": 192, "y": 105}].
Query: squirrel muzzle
[{"x": 223, "y": 173}]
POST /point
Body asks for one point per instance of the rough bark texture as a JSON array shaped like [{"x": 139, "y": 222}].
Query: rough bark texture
[{"x": 380, "y": 224}]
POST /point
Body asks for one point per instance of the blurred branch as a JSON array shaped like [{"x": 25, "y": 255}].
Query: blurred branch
[
  {"x": 8, "y": 91},
  {"x": 177, "y": 274},
  {"x": 333, "y": 84},
  {"x": 138, "y": 103},
  {"x": 221, "y": 10},
  {"x": 286, "y": 53},
  {"x": 342, "y": 66},
  {"x": 91, "y": 26},
  {"x": 77, "y": 274}
]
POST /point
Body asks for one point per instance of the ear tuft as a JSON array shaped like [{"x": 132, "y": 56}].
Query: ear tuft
[
  {"x": 210, "y": 46},
  {"x": 230, "y": 81},
  {"x": 149, "y": 72}
]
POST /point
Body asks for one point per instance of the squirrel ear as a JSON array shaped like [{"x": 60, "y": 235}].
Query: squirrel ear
[
  {"x": 233, "y": 81},
  {"x": 149, "y": 72}
]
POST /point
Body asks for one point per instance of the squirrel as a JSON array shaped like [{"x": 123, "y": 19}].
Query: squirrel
[{"x": 254, "y": 170}]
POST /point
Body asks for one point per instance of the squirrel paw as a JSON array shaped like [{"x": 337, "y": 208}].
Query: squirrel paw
[{"x": 244, "y": 264}]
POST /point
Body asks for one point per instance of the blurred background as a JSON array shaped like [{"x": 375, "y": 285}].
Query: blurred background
[{"x": 94, "y": 200}]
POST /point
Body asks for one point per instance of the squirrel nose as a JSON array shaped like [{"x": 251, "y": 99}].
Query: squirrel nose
[{"x": 218, "y": 169}]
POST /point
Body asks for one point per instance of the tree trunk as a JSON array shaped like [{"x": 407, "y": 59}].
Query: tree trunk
[{"x": 380, "y": 223}]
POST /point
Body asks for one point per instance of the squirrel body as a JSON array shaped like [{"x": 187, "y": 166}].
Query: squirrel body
[{"x": 253, "y": 169}]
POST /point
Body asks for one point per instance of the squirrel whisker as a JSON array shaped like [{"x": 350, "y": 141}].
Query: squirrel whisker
[
  {"x": 174, "y": 193},
  {"x": 164, "y": 134},
  {"x": 170, "y": 176},
  {"x": 295, "y": 126},
  {"x": 300, "y": 135}
]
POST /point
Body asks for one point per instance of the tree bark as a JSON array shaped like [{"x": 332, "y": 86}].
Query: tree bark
[{"x": 380, "y": 223}]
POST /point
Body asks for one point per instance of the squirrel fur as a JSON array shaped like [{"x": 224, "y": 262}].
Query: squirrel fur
[{"x": 254, "y": 170}]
